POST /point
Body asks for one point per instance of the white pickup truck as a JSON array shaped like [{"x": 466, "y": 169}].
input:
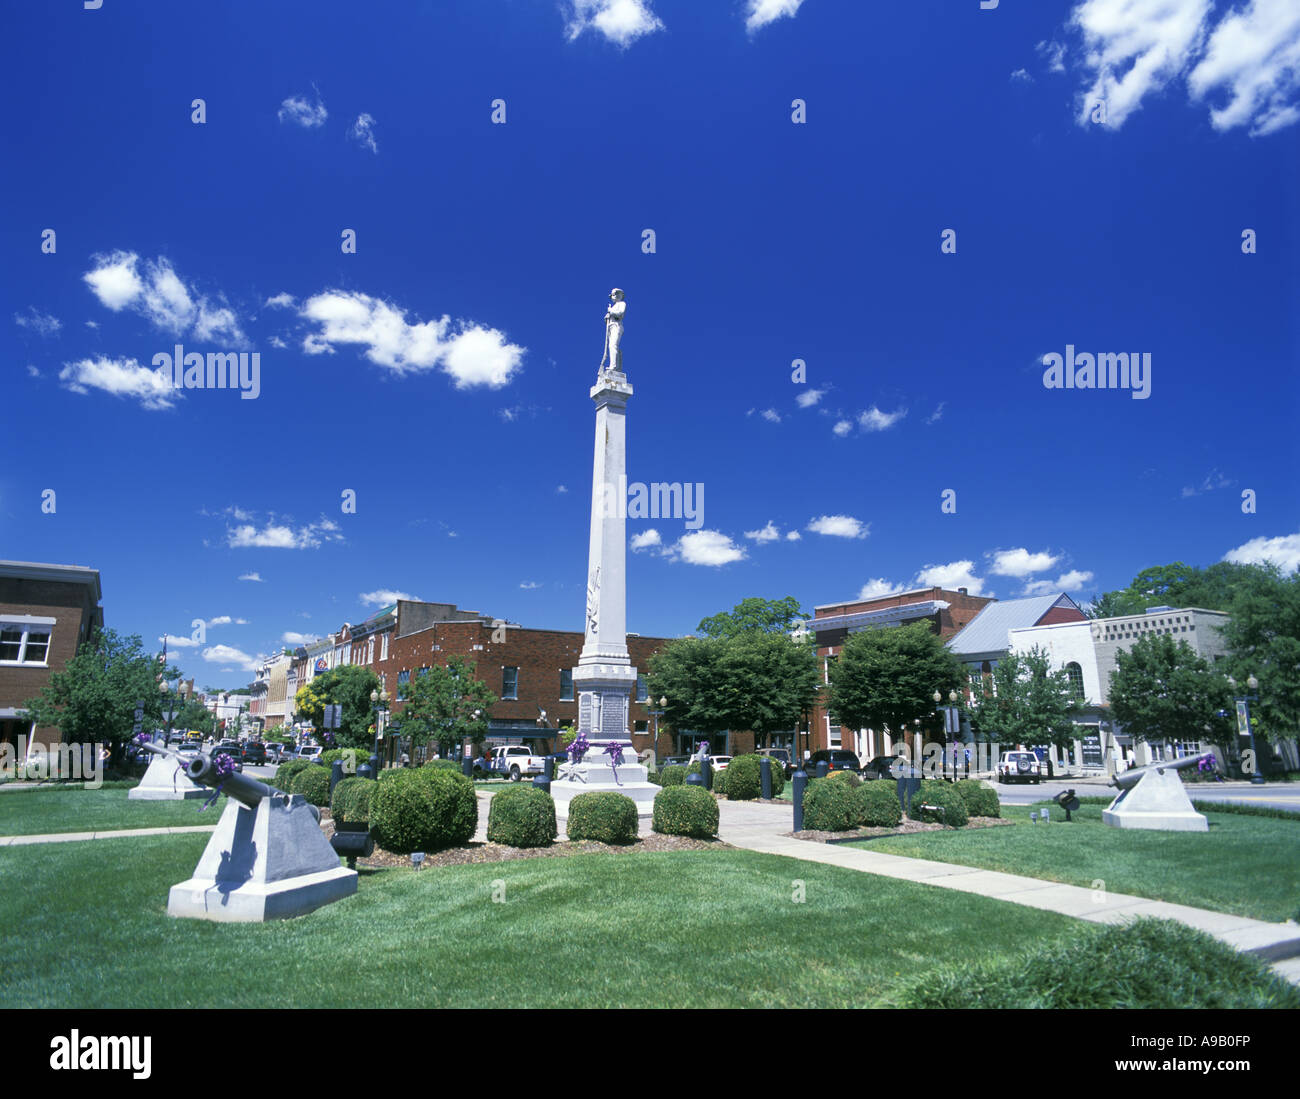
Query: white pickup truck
[
  {"x": 513, "y": 761},
  {"x": 1020, "y": 767}
]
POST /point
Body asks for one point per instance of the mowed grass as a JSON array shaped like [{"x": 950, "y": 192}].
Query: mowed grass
[
  {"x": 88, "y": 929},
  {"x": 1246, "y": 866},
  {"x": 51, "y": 809}
]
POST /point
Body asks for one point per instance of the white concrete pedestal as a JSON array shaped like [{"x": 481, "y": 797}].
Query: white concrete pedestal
[
  {"x": 594, "y": 775},
  {"x": 1158, "y": 801},
  {"x": 166, "y": 780},
  {"x": 268, "y": 863}
]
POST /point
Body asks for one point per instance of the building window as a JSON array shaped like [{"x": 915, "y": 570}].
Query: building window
[
  {"x": 403, "y": 678},
  {"x": 641, "y": 693},
  {"x": 640, "y": 727},
  {"x": 383, "y": 647},
  {"x": 25, "y": 642},
  {"x": 1076, "y": 679},
  {"x": 566, "y": 685},
  {"x": 509, "y": 683}
]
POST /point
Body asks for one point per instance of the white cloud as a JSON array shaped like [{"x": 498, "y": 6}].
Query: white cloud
[
  {"x": 937, "y": 414},
  {"x": 839, "y": 526},
  {"x": 39, "y": 323},
  {"x": 275, "y": 341},
  {"x": 1066, "y": 582},
  {"x": 809, "y": 397},
  {"x": 768, "y": 533},
  {"x": 471, "y": 354},
  {"x": 282, "y": 536},
  {"x": 282, "y": 300},
  {"x": 383, "y": 597},
  {"x": 224, "y": 654},
  {"x": 122, "y": 378},
  {"x": 529, "y": 585},
  {"x": 1249, "y": 60},
  {"x": 759, "y": 13},
  {"x": 173, "y": 642},
  {"x": 1253, "y": 57},
  {"x": 956, "y": 574},
  {"x": 363, "y": 131},
  {"x": 620, "y": 21},
  {"x": 291, "y": 638},
  {"x": 793, "y": 536},
  {"x": 255, "y": 577},
  {"x": 842, "y": 428},
  {"x": 647, "y": 539},
  {"x": 707, "y": 547},
  {"x": 1020, "y": 562},
  {"x": 771, "y": 415},
  {"x": 32, "y": 372},
  {"x": 1214, "y": 479},
  {"x": 161, "y": 296},
  {"x": 1022, "y": 75},
  {"x": 1054, "y": 54},
  {"x": 561, "y": 489},
  {"x": 875, "y": 420},
  {"x": 300, "y": 112},
  {"x": 875, "y": 588},
  {"x": 1283, "y": 551}
]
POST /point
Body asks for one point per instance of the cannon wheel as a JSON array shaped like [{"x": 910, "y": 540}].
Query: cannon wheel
[{"x": 514, "y": 774}]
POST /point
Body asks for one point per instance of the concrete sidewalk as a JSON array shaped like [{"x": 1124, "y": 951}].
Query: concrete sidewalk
[
  {"x": 759, "y": 827},
  {"x": 75, "y": 837}
]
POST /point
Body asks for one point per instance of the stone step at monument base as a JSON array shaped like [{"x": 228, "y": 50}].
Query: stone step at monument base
[
  {"x": 158, "y": 793},
  {"x": 1159, "y": 821},
  {"x": 257, "y": 902},
  {"x": 640, "y": 791}
]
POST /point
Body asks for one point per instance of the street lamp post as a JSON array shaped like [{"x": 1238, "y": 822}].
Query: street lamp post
[
  {"x": 1252, "y": 685},
  {"x": 949, "y": 713},
  {"x": 657, "y": 714},
  {"x": 378, "y": 704}
]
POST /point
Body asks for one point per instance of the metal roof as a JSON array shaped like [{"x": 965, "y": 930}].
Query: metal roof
[
  {"x": 987, "y": 631},
  {"x": 886, "y": 616}
]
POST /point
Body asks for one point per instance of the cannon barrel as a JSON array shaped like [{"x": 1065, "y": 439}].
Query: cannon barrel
[
  {"x": 202, "y": 769},
  {"x": 1126, "y": 780}
]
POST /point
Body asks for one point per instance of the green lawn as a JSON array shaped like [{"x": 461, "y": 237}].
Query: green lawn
[
  {"x": 720, "y": 928},
  {"x": 1244, "y": 865},
  {"x": 72, "y": 809}
]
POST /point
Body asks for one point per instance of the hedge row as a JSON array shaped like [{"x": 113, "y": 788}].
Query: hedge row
[{"x": 313, "y": 783}]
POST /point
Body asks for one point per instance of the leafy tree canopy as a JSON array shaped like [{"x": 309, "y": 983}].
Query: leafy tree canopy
[
  {"x": 1162, "y": 689},
  {"x": 754, "y": 616},
  {"x": 447, "y": 704},
  {"x": 348, "y": 686},
  {"x": 1026, "y": 702}
]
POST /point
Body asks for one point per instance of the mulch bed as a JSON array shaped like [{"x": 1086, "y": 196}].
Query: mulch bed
[
  {"x": 475, "y": 851},
  {"x": 906, "y": 828}
]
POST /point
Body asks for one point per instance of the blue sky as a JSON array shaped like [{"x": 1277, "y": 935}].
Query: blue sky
[{"x": 441, "y": 371}]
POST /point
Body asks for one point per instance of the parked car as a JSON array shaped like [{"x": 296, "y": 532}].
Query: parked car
[
  {"x": 675, "y": 761},
  {"x": 512, "y": 761},
  {"x": 837, "y": 759},
  {"x": 1021, "y": 767},
  {"x": 891, "y": 767},
  {"x": 780, "y": 757},
  {"x": 232, "y": 751},
  {"x": 255, "y": 752},
  {"x": 310, "y": 751}
]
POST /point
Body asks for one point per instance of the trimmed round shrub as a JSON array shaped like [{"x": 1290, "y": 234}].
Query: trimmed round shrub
[
  {"x": 720, "y": 780},
  {"x": 846, "y": 777},
  {"x": 829, "y": 806},
  {"x": 522, "y": 816},
  {"x": 603, "y": 817},
  {"x": 672, "y": 775},
  {"x": 357, "y": 756},
  {"x": 685, "y": 811},
  {"x": 778, "y": 779},
  {"x": 980, "y": 798},
  {"x": 285, "y": 772},
  {"x": 422, "y": 810},
  {"x": 351, "y": 801},
  {"x": 876, "y": 805},
  {"x": 943, "y": 796},
  {"x": 744, "y": 780},
  {"x": 313, "y": 783}
]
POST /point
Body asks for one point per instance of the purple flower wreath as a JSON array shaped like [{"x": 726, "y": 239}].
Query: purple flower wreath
[
  {"x": 615, "y": 753},
  {"x": 222, "y": 766},
  {"x": 578, "y": 748}
]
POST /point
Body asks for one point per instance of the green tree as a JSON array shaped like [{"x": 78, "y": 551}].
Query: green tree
[
  {"x": 1163, "y": 690},
  {"x": 194, "y": 716},
  {"x": 348, "y": 686},
  {"x": 448, "y": 704},
  {"x": 689, "y": 672},
  {"x": 754, "y": 616},
  {"x": 1263, "y": 640},
  {"x": 1026, "y": 702},
  {"x": 93, "y": 699},
  {"x": 886, "y": 678},
  {"x": 770, "y": 679}
]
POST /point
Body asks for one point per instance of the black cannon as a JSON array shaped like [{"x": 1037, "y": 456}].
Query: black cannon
[
  {"x": 1126, "y": 780},
  {"x": 202, "y": 769}
]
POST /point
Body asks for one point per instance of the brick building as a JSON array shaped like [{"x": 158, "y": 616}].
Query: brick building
[
  {"x": 947, "y": 612},
  {"x": 46, "y": 612}
]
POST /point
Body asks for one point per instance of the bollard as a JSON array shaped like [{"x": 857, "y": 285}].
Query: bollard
[
  {"x": 548, "y": 772},
  {"x": 694, "y": 779},
  {"x": 797, "y": 783},
  {"x": 706, "y": 773},
  {"x": 336, "y": 775},
  {"x": 543, "y": 782},
  {"x": 823, "y": 768},
  {"x": 366, "y": 771},
  {"x": 374, "y": 765},
  {"x": 765, "y": 769},
  {"x": 467, "y": 767}
]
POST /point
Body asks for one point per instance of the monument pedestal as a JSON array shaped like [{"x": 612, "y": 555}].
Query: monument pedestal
[
  {"x": 1158, "y": 801},
  {"x": 165, "y": 780},
  {"x": 267, "y": 863}
]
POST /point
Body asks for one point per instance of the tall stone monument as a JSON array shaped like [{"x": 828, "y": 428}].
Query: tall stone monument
[{"x": 604, "y": 680}]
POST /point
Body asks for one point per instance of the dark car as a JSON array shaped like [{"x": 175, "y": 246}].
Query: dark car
[
  {"x": 780, "y": 757},
  {"x": 836, "y": 759},
  {"x": 890, "y": 767},
  {"x": 232, "y": 752},
  {"x": 255, "y": 752}
]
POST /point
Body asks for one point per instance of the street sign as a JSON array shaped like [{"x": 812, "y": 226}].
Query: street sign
[
  {"x": 1243, "y": 723},
  {"x": 952, "y": 719}
]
